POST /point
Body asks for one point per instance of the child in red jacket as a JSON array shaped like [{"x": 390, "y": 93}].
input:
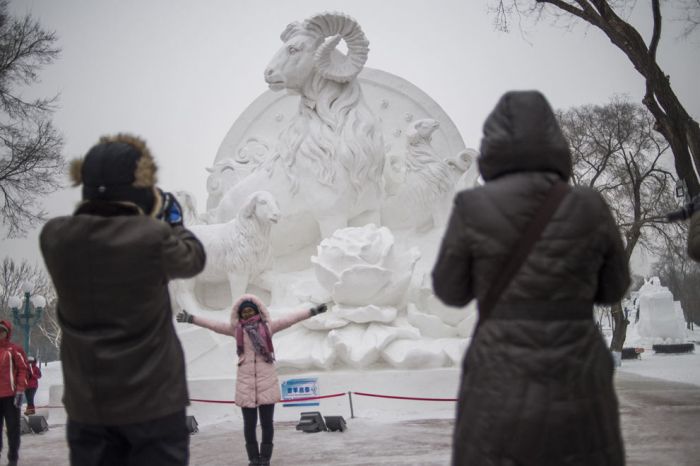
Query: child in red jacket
[{"x": 33, "y": 376}]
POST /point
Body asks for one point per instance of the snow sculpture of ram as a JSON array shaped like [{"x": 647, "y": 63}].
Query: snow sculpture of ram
[{"x": 328, "y": 162}]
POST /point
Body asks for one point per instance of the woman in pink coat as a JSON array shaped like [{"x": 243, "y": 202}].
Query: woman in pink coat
[{"x": 257, "y": 387}]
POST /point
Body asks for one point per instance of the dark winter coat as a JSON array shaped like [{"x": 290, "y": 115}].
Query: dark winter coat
[
  {"x": 122, "y": 361},
  {"x": 694, "y": 236},
  {"x": 537, "y": 385},
  {"x": 13, "y": 365}
]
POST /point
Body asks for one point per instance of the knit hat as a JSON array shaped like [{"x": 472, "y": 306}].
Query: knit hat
[
  {"x": 248, "y": 303},
  {"x": 118, "y": 169}
]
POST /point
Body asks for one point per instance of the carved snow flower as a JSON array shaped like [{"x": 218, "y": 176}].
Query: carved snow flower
[{"x": 360, "y": 266}]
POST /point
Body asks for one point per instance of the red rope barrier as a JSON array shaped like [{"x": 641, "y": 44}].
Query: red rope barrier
[
  {"x": 294, "y": 400},
  {"x": 291, "y": 400},
  {"x": 214, "y": 401},
  {"x": 404, "y": 397}
]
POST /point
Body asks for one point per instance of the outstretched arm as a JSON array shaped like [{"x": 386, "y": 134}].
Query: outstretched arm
[
  {"x": 294, "y": 317},
  {"x": 225, "y": 328}
]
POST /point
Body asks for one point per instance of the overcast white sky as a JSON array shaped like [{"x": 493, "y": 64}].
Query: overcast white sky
[{"x": 180, "y": 72}]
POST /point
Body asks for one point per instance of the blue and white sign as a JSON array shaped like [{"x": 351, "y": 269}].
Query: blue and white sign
[{"x": 300, "y": 388}]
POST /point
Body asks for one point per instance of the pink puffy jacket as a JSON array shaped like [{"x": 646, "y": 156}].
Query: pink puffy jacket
[{"x": 256, "y": 382}]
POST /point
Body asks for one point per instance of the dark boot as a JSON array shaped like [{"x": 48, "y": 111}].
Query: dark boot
[
  {"x": 253, "y": 454},
  {"x": 265, "y": 453}
]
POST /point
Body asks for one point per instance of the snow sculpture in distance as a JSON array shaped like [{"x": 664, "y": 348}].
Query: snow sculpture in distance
[{"x": 659, "y": 319}]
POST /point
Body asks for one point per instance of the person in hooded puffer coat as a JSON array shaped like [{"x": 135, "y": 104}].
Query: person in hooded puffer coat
[
  {"x": 537, "y": 378},
  {"x": 257, "y": 386}
]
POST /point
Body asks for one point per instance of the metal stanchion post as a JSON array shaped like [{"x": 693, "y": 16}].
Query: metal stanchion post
[{"x": 352, "y": 413}]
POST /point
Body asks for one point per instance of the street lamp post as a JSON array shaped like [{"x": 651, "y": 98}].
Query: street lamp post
[{"x": 22, "y": 314}]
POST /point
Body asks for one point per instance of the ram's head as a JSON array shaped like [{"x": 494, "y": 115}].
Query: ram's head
[{"x": 310, "y": 47}]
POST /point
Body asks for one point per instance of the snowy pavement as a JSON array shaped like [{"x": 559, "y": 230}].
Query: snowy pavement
[{"x": 659, "y": 420}]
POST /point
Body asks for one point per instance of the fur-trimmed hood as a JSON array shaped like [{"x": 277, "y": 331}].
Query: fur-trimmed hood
[
  {"x": 118, "y": 168},
  {"x": 264, "y": 313}
]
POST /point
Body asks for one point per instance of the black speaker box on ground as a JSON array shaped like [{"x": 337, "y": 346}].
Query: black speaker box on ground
[
  {"x": 311, "y": 422},
  {"x": 38, "y": 424},
  {"x": 192, "y": 425},
  {"x": 674, "y": 348},
  {"x": 336, "y": 423}
]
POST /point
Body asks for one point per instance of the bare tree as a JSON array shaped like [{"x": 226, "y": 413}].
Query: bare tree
[
  {"x": 30, "y": 147},
  {"x": 671, "y": 118},
  {"x": 617, "y": 152},
  {"x": 45, "y": 337}
]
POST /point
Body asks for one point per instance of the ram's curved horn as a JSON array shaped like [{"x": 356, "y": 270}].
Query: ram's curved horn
[{"x": 338, "y": 26}]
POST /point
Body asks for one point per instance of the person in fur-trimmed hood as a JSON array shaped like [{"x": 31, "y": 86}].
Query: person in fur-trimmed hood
[
  {"x": 125, "y": 389},
  {"x": 257, "y": 386}
]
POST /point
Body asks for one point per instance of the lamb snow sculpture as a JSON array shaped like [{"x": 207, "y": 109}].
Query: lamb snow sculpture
[
  {"x": 237, "y": 251},
  {"x": 327, "y": 165},
  {"x": 425, "y": 180}
]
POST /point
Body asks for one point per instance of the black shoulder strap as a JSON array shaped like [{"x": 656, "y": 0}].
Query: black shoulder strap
[{"x": 523, "y": 247}]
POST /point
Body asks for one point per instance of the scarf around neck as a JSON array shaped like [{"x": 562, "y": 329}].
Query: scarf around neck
[{"x": 259, "y": 336}]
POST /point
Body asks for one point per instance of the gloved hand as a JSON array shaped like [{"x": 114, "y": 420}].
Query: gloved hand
[
  {"x": 18, "y": 399},
  {"x": 184, "y": 316},
  {"x": 171, "y": 211},
  {"x": 321, "y": 308}
]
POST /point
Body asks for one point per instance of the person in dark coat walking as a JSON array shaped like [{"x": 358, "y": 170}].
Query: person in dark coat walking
[
  {"x": 13, "y": 382},
  {"x": 537, "y": 380},
  {"x": 125, "y": 388}
]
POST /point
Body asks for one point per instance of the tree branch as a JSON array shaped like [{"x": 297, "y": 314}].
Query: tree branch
[{"x": 656, "y": 35}]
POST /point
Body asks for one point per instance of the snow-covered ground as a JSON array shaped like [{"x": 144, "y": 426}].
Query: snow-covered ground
[{"x": 683, "y": 368}]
